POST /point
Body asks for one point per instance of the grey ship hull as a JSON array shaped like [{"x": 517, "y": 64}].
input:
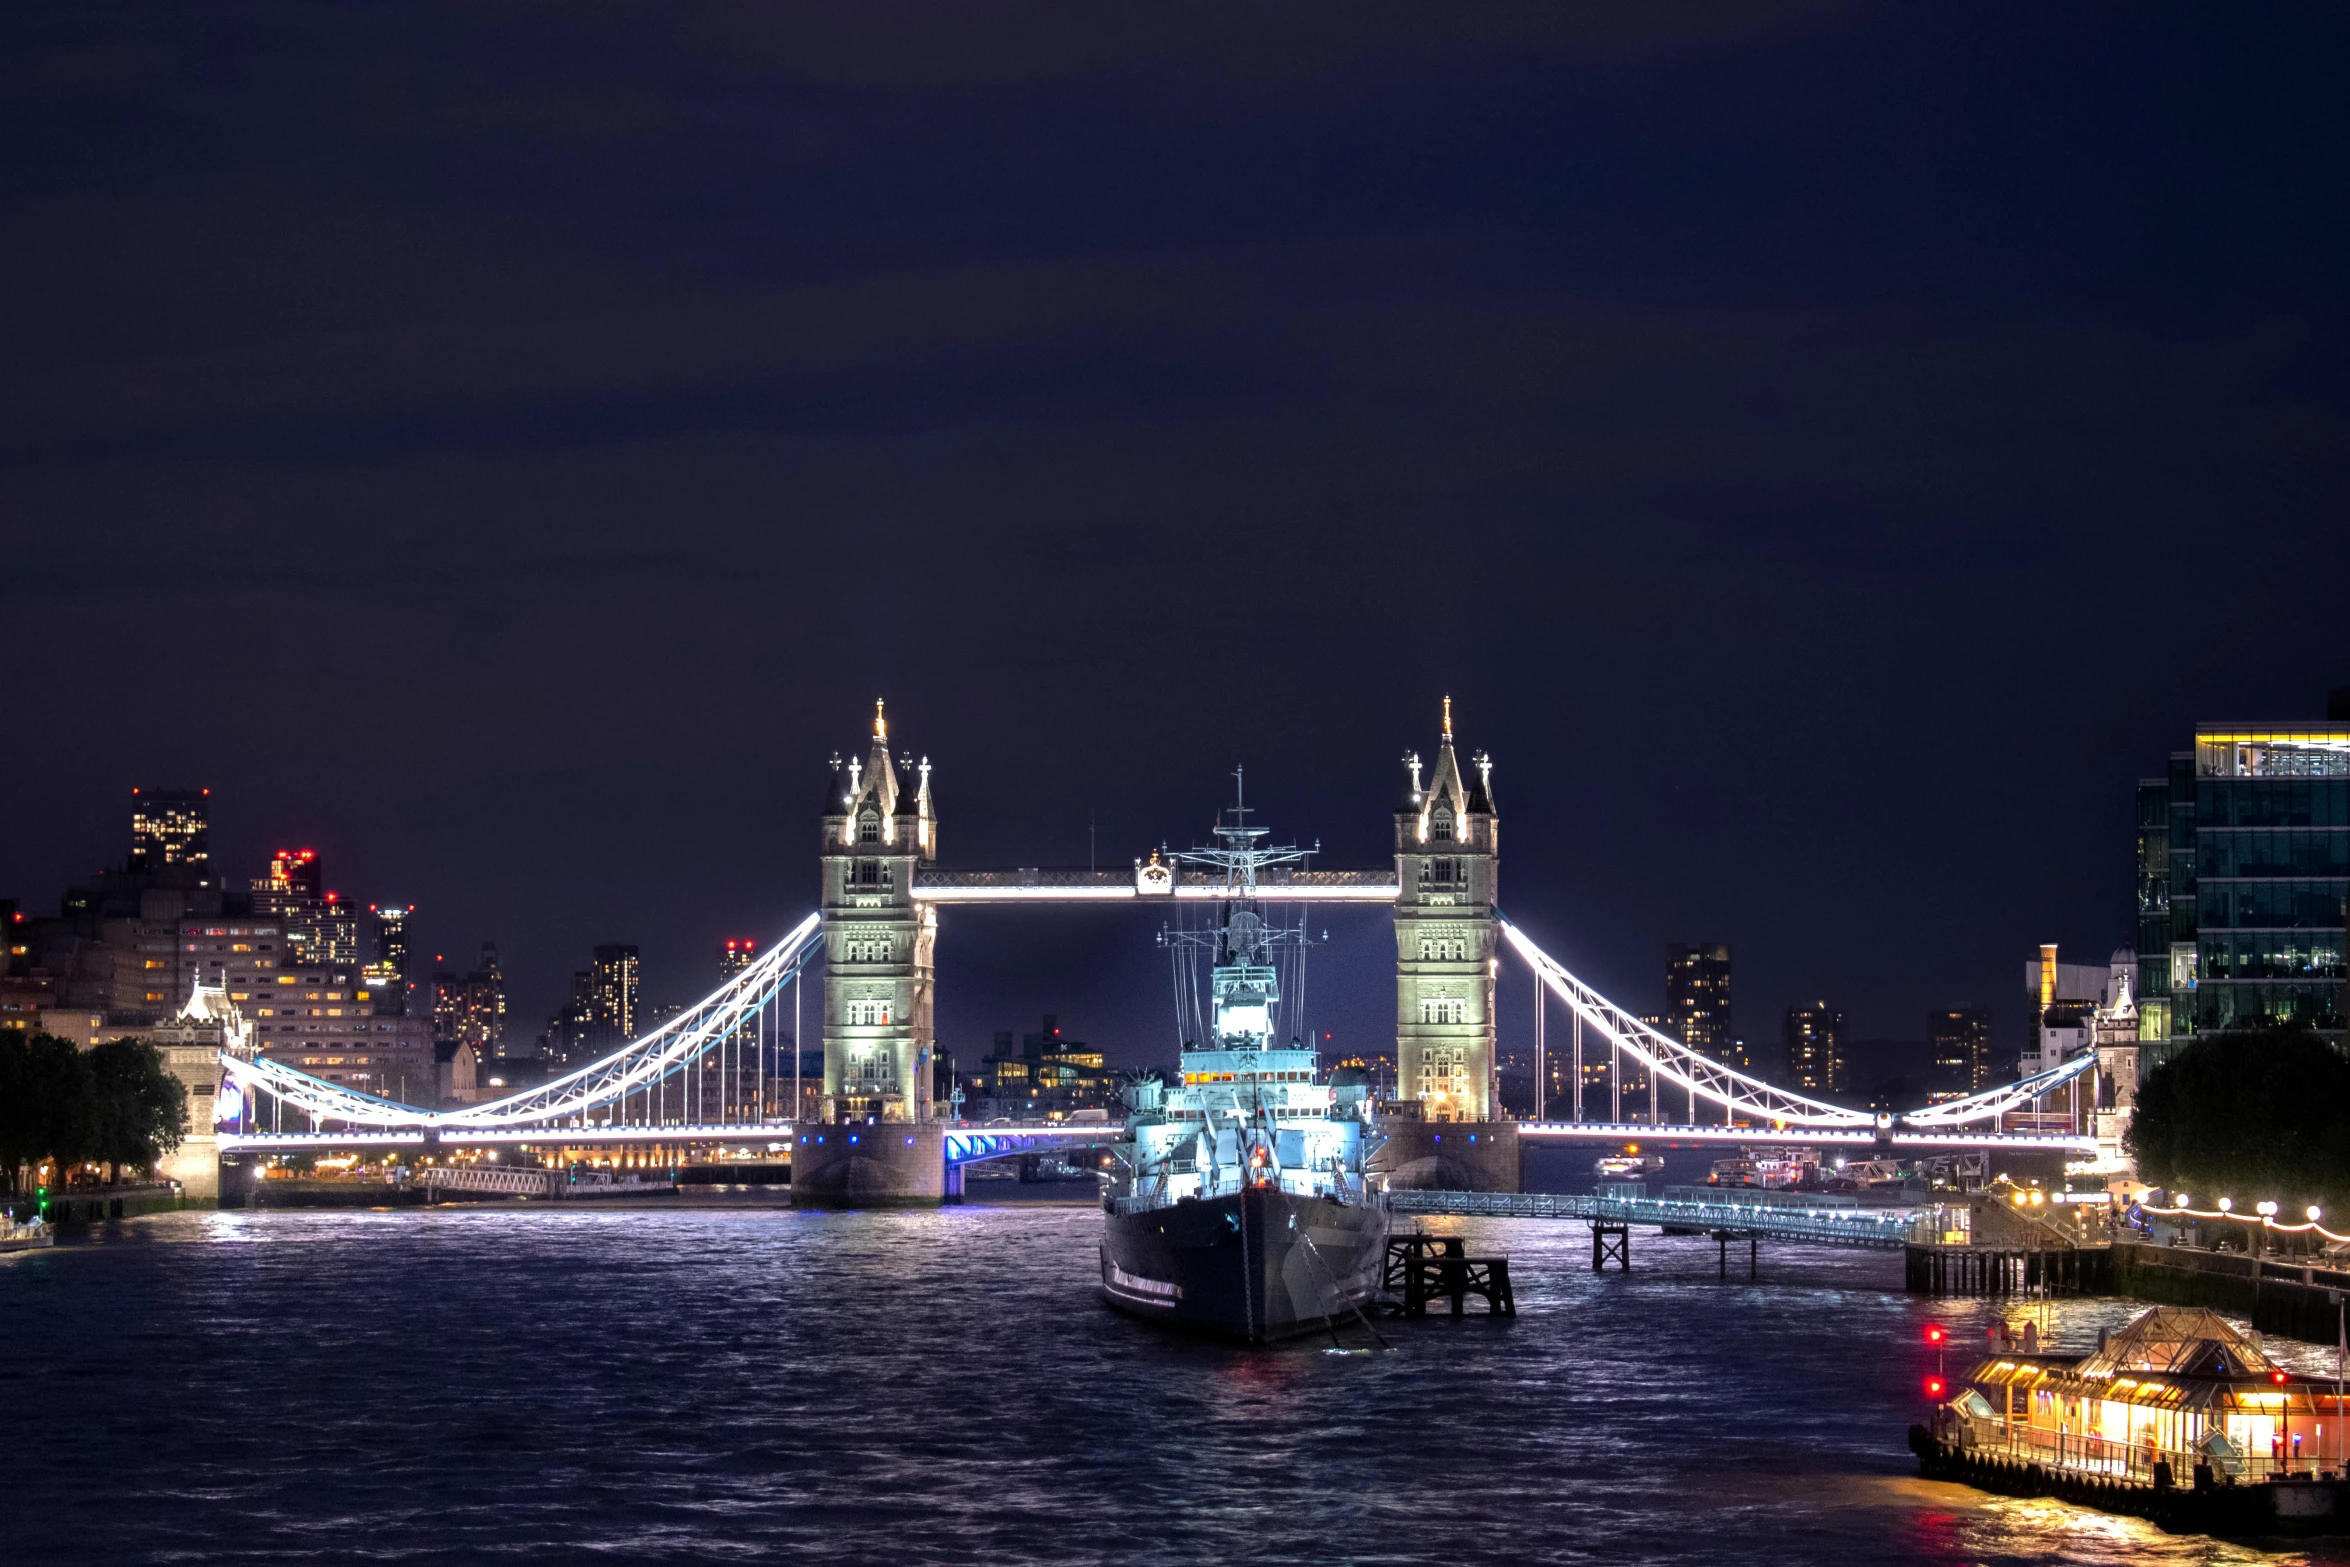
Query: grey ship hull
[{"x": 1255, "y": 1265}]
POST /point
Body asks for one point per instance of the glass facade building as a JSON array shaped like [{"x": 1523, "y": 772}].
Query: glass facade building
[{"x": 2243, "y": 877}]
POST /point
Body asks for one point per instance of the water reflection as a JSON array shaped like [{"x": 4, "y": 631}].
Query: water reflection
[{"x": 535, "y": 1384}]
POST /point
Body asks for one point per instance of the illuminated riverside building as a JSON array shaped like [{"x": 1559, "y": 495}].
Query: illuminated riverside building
[
  {"x": 1812, "y": 1036},
  {"x": 319, "y": 925},
  {"x": 1446, "y": 864},
  {"x": 1697, "y": 999},
  {"x": 1958, "y": 1045},
  {"x": 329, "y": 1023},
  {"x": 471, "y": 1010},
  {"x": 612, "y": 997},
  {"x": 2243, "y": 874},
  {"x": 569, "y": 1030}
]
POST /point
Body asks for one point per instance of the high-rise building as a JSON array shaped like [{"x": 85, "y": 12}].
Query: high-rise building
[
  {"x": 470, "y": 1009},
  {"x": 391, "y": 935},
  {"x": 386, "y": 973},
  {"x": 2243, "y": 879},
  {"x": 612, "y": 998},
  {"x": 735, "y": 955},
  {"x": 571, "y": 1030},
  {"x": 1697, "y": 999},
  {"x": 293, "y": 894},
  {"x": 1958, "y": 1047},
  {"x": 1446, "y": 863},
  {"x": 1813, "y": 1037},
  {"x": 169, "y": 832}
]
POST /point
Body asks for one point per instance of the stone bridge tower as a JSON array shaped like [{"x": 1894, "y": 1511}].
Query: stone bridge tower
[
  {"x": 1445, "y": 860},
  {"x": 879, "y": 1037}
]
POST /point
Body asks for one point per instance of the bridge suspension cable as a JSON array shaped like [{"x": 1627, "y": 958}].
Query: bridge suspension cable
[
  {"x": 597, "y": 1094},
  {"x": 1740, "y": 1094}
]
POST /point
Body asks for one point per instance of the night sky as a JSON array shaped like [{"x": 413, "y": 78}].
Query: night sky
[{"x": 1828, "y": 452}]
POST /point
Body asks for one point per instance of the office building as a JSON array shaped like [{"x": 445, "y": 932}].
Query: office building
[
  {"x": 1812, "y": 1036},
  {"x": 320, "y": 927},
  {"x": 325, "y": 1021},
  {"x": 735, "y": 955},
  {"x": 391, "y": 935},
  {"x": 1958, "y": 1049},
  {"x": 2243, "y": 877},
  {"x": 1697, "y": 999},
  {"x": 1047, "y": 1076},
  {"x": 170, "y": 835}
]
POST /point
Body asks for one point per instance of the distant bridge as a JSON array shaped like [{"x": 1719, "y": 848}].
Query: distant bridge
[{"x": 702, "y": 1078}]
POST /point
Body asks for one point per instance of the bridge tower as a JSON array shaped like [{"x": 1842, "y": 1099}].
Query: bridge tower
[
  {"x": 1446, "y": 855},
  {"x": 879, "y": 1036}
]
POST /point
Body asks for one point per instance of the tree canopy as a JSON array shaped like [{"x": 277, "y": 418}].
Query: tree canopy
[
  {"x": 2253, "y": 1115},
  {"x": 117, "y": 1104}
]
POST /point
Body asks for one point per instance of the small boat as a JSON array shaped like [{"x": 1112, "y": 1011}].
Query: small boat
[
  {"x": 1630, "y": 1164},
  {"x": 1769, "y": 1169}
]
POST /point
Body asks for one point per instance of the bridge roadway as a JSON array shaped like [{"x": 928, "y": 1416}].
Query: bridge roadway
[
  {"x": 1770, "y": 1215},
  {"x": 968, "y": 1143}
]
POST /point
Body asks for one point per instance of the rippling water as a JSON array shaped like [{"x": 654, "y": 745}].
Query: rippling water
[{"x": 542, "y": 1385}]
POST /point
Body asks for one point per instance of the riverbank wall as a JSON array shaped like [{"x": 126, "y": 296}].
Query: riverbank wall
[{"x": 2294, "y": 1299}]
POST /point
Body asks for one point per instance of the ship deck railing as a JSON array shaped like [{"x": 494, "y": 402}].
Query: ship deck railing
[
  {"x": 2103, "y": 1458},
  {"x": 1830, "y": 1221}
]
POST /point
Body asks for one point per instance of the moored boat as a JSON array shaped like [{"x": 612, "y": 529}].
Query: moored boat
[
  {"x": 1239, "y": 1204},
  {"x": 2176, "y": 1417}
]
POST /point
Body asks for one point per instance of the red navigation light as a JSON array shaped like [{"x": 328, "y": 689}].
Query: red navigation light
[
  {"x": 1934, "y": 1387},
  {"x": 1934, "y": 1333},
  {"x": 2278, "y": 1377}
]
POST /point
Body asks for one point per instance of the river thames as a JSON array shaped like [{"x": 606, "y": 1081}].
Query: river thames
[{"x": 566, "y": 1384}]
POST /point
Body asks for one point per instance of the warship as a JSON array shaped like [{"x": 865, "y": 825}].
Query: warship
[{"x": 1238, "y": 1205}]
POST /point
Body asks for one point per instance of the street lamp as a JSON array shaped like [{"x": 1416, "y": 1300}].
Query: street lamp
[
  {"x": 2268, "y": 1216},
  {"x": 2227, "y": 1205}
]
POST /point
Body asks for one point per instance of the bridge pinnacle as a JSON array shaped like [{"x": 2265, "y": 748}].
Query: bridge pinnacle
[
  {"x": 1448, "y": 720},
  {"x": 880, "y": 724}
]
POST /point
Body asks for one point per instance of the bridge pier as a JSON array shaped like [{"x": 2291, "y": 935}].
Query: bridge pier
[
  {"x": 1448, "y": 1156},
  {"x": 1722, "y": 1240},
  {"x": 1610, "y": 1239},
  {"x": 869, "y": 1164}
]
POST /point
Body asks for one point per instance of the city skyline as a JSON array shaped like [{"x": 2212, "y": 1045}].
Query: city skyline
[{"x": 294, "y": 879}]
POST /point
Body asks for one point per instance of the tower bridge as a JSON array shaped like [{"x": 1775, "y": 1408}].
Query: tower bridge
[{"x": 706, "y": 1077}]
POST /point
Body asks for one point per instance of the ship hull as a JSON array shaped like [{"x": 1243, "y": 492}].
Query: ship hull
[{"x": 1255, "y": 1265}]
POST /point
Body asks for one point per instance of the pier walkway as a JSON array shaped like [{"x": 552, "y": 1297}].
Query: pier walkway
[{"x": 1784, "y": 1216}]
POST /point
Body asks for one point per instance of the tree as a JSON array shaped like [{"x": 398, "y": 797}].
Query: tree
[
  {"x": 17, "y": 1140},
  {"x": 48, "y": 1103},
  {"x": 140, "y": 1106},
  {"x": 2254, "y": 1114}
]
